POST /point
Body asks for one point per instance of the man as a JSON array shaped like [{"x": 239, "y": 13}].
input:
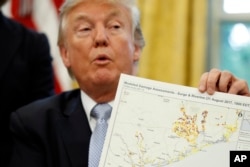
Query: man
[
  {"x": 98, "y": 40},
  {"x": 26, "y": 73}
]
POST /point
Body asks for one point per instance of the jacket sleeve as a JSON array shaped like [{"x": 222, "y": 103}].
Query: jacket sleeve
[{"x": 25, "y": 144}]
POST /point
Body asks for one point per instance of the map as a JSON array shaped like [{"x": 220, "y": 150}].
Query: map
[{"x": 156, "y": 124}]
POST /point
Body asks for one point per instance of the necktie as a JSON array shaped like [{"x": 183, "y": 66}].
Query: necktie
[{"x": 101, "y": 112}]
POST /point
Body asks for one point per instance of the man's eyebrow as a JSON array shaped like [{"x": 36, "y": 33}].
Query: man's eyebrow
[
  {"x": 114, "y": 14},
  {"x": 84, "y": 17},
  {"x": 81, "y": 17}
]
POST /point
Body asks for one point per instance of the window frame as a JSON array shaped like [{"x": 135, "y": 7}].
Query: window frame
[{"x": 216, "y": 15}]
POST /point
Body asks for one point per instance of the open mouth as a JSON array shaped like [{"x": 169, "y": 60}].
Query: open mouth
[{"x": 102, "y": 59}]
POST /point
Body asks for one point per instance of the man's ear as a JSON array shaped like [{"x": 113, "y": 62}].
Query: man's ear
[
  {"x": 64, "y": 55},
  {"x": 137, "y": 53}
]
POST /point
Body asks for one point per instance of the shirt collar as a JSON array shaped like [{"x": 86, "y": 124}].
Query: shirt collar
[{"x": 88, "y": 103}]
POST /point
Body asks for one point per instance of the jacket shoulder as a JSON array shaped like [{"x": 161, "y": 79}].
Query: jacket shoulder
[{"x": 60, "y": 104}]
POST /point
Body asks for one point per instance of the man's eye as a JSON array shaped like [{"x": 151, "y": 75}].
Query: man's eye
[
  {"x": 85, "y": 29},
  {"x": 116, "y": 26}
]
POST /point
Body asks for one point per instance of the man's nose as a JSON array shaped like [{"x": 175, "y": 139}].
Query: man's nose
[{"x": 101, "y": 37}]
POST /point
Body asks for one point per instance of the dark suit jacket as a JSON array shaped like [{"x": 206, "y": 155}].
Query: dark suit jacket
[
  {"x": 52, "y": 132},
  {"x": 26, "y": 73}
]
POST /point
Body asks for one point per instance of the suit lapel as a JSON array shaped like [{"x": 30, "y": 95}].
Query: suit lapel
[
  {"x": 76, "y": 133},
  {"x": 10, "y": 40}
]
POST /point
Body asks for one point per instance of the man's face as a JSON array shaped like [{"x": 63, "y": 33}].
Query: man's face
[{"x": 99, "y": 44}]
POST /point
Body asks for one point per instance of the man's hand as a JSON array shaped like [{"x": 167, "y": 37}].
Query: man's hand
[{"x": 222, "y": 81}]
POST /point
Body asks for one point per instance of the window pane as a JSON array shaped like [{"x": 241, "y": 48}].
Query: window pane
[
  {"x": 235, "y": 49},
  {"x": 236, "y": 6}
]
